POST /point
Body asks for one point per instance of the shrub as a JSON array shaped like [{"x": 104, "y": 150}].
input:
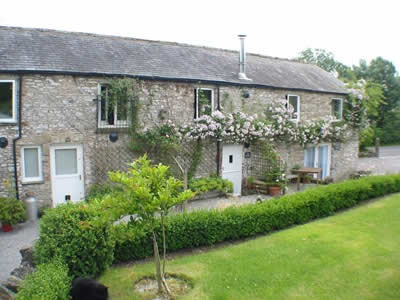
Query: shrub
[
  {"x": 97, "y": 191},
  {"x": 48, "y": 282},
  {"x": 203, "y": 228},
  {"x": 212, "y": 183},
  {"x": 12, "y": 211},
  {"x": 79, "y": 235}
]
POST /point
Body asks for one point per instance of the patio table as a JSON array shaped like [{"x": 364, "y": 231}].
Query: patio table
[{"x": 304, "y": 171}]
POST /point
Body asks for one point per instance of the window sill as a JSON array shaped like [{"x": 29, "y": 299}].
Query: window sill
[
  {"x": 39, "y": 181},
  {"x": 8, "y": 123},
  {"x": 112, "y": 129}
]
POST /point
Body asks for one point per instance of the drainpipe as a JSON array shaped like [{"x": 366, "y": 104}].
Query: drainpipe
[
  {"x": 218, "y": 142},
  {"x": 19, "y": 103}
]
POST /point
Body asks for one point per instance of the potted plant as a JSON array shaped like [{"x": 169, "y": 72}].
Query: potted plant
[
  {"x": 295, "y": 168},
  {"x": 12, "y": 211}
]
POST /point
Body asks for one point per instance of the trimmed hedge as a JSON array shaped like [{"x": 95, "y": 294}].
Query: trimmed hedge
[
  {"x": 203, "y": 228},
  {"x": 48, "y": 282},
  {"x": 79, "y": 235}
]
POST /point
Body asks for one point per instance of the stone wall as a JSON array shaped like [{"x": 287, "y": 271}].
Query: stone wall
[
  {"x": 9, "y": 131},
  {"x": 60, "y": 110}
]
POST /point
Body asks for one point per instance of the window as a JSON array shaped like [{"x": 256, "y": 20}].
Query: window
[
  {"x": 318, "y": 157},
  {"x": 204, "y": 102},
  {"x": 111, "y": 114},
  {"x": 32, "y": 163},
  {"x": 337, "y": 108},
  {"x": 293, "y": 102},
  {"x": 7, "y": 101}
]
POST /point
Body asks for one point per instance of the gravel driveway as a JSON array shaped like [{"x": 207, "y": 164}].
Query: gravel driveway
[
  {"x": 10, "y": 242},
  {"x": 387, "y": 162}
]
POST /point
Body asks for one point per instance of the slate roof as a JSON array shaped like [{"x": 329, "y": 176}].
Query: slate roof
[{"x": 42, "y": 50}]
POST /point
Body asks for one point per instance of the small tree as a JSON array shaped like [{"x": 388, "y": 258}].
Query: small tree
[{"x": 150, "y": 193}]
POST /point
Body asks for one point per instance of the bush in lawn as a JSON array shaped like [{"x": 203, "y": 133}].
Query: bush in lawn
[
  {"x": 79, "y": 235},
  {"x": 48, "y": 282},
  {"x": 203, "y": 228}
]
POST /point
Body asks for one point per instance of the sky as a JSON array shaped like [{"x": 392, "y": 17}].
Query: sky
[{"x": 351, "y": 29}]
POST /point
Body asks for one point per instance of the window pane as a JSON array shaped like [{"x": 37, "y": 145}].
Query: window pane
[
  {"x": 323, "y": 160},
  {"x": 310, "y": 157},
  {"x": 337, "y": 108},
  {"x": 110, "y": 114},
  {"x": 66, "y": 162},
  {"x": 31, "y": 162},
  {"x": 204, "y": 102},
  {"x": 294, "y": 104},
  {"x": 103, "y": 97},
  {"x": 122, "y": 111},
  {"x": 6, "y": 100}
]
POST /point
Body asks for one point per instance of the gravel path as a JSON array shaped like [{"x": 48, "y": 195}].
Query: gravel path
[
  {"x": 10, "y": 242},
  {"x": 388, "y": 161}
]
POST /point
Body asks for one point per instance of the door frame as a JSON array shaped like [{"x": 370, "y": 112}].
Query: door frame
[{"x": 80, "y": 165}]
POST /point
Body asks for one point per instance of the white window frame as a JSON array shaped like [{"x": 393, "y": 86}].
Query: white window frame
[
  {"x": 197, "y": 100},
  {"x": 14, "y": 103},
  {"x": 40, "y": 161},
  {"x": 316, "y": 157},
  {"x": 104, "y": 124},
  {"x": 341, "y": 109},
  {"x": 298, "y": 106}
]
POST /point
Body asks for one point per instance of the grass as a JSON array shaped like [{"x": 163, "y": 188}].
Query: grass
[{"x": 352, "y": 255}]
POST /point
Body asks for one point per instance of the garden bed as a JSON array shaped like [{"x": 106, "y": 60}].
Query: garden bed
[{"x": 208, "y": 195}]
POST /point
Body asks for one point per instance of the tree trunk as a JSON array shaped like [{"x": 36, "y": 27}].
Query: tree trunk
[
  {"x": 164, "y": 245},
  {"x": 157, "y": 263}
]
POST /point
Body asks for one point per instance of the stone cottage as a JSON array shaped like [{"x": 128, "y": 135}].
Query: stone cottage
[{"x": 58, "y": 135}]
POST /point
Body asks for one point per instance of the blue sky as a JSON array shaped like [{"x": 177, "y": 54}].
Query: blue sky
[{"x": 351, "y": 29}]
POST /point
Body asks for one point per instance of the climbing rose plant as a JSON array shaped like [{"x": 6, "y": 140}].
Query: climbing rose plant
[{"x": 275, "y": 125}]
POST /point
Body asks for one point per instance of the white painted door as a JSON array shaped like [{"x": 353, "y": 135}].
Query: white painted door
[
  {"x": 232, "y": 166},
  {"x": 67, "y": 173}
]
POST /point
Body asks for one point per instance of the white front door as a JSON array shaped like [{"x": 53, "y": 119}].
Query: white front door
[
  {"x": 232, "y": 166},
  {"x": 67, "y": 173}
]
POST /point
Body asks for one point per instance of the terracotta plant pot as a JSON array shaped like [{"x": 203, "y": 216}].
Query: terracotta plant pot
[
  {"x": 275, "y": 190},
  {"x": 6, "y": 227}
]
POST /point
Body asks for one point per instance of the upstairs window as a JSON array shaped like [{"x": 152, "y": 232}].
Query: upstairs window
[
  {"x": 204, "y": 102},
  {"x": 111, "y": 114},
  {"x": 32, "y": 164},
  {"x": 337, "y": 109},
  {"x": 7, "y": 101},
  {"x": 293, "y": 103}
]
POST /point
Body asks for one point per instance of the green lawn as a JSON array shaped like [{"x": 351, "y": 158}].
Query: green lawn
[{"x": 353, "y": 255}]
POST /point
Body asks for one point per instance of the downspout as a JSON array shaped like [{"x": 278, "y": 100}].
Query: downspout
[
  {"x": 218, "y": 142},
  {"x": 19, "y": 103}
]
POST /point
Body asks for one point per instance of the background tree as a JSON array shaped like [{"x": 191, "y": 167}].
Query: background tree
[
  {"x": 324, "y": 59},
  {"x": 377, "y": 83}
]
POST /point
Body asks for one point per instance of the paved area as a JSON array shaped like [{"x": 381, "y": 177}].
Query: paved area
[
  {"x": 10, "y": 242},
  {"x": 388, "y": 161}
]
